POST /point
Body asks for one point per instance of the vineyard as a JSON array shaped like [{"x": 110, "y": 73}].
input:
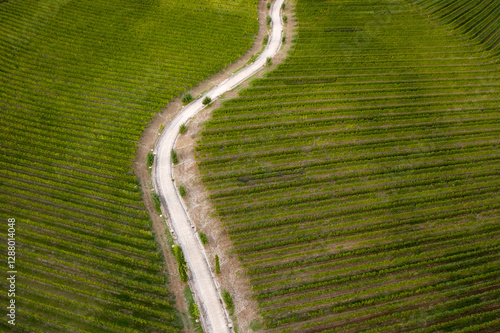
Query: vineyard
[
  {"x": 478, "y": 19},
  {"x": 359, "y": 180},
  {"x": 79, "y": 82}
]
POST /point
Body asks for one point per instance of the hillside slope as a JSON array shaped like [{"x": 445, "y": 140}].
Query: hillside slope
[
  {"x": 79, "y": 82},
  {"x": 478, "y": 19},
  {"x": 359, "y": 179}
]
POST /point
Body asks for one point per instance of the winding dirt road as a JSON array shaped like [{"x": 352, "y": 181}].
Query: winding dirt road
[{"x": 214, "y": 316}]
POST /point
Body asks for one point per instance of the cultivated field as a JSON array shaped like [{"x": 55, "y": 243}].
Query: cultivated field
[
  {"x": 79, "y": 82},
  {"x": 359, "y": 179},
  {"x": 478, "y": 19}
]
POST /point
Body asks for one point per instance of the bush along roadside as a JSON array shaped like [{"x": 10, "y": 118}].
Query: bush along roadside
[
  {"x": 157, "y": 202},
  {"x": 181, "y": 263},
  {"x": 217, "y": 264},
  {"x": 150, "y": 159},
  {"x": 203, "y": 238},
  {"x": 226, "y": 296}
]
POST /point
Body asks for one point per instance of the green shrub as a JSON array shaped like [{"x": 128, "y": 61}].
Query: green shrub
[
  {"x": 268, "y": 19},
  {"x": 217, "y": 264},
  {"x": 285, "y": 18},
  {"x": 157, "y": 202},
  {"x": 266, "y": 39},
  {"x": 182, "y": 191},
  {"x": 203, "y": 238},
  {"x": 150, "y": 159},
  {"x": 269, "y": 61},
  {"x": 194, "y": 311},
  {"x": 283, "y": 6},
  {"x": 173, "y": 155},
  {"x": 226, "y": 296},
  {"x": 207, "y": 100},
  {"x": 269, "y": 5},
  {"x": 183, "y": 129},
  {"x": 176, "y": 249},
  {"x": 187, "y": 98},
  {"x": 181, "y": 263}
]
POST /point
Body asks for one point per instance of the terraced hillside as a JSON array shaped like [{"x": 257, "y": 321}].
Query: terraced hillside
[
  {"x": 479, "y": 19},
  {"x": 359, "y": 180},
  {"x": 79, "y": 82}
]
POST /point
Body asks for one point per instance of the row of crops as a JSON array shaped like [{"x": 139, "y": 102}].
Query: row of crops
[
  {"x": 79, "y": 81},
  {"x": 478, "y": 19},
  {"x": 359, "y": 179}
]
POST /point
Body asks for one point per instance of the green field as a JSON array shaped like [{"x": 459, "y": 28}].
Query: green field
[
  {"x": 359, "y": 180},
  {"x": 79, "y": 82},
  {"x": 477, "y": 19}
]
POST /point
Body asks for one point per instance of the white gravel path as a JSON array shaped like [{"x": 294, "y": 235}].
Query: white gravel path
[{"x": 214, "y": 316}]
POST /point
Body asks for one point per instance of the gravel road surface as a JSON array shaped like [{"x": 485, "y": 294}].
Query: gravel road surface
[{"x": 214, "y": 315}]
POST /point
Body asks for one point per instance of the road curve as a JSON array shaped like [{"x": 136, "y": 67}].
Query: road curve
[{"x": 214, "y": 315}]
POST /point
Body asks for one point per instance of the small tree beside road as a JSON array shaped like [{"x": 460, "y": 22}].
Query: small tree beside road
[
  {"x": 217, "y": 264},
  {"x": 207, "y": 100}
]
